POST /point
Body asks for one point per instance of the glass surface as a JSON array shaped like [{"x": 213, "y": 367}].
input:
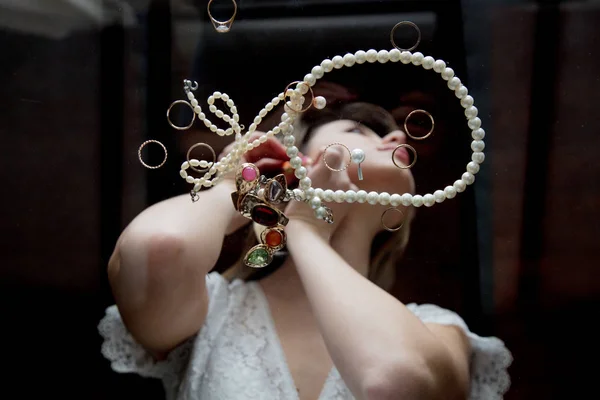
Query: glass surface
[{"x": 85, "y": 83}]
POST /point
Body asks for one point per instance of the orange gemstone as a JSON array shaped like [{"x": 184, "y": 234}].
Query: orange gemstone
[{"x": 273, "y": 238}]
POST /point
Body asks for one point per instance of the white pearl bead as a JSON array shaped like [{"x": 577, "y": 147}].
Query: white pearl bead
[
  {"x": 478, "y": 157},
  {"x": 305, "y": 183},
  {"x": 189, "y": 179},
  {"x": 417, "y": 58},
  {"x": 298, "y": 194},
  {"x": 319, "y": 192},
  {"x": 384, "y": 198},
  {"x": 461, "y": 91},
  {"x": 439, "y": 66},
  {"x": 213, "y": 128},
  {"x": 315, "y": 202},
  {"x": 478, "y": 134},
  {"x": 257, "y": 119},
  {"x": 450, "y": 192},
  {"x": 186, "y": 165},
  {"x": 317, "y": 72},
  {"x": 473, "y": 167},
  {"x": 327, "y": 65},
  {"x": 395, "y": 200},
  {"x": 300, "y": 172},
  {"x": 198, "y": 111},
  {"x": 360, "y": 56},
  {"x": 221, "y": 132},
  {"x": 474, "y": 123},
  {"x": 338, "y": 62},
  {"x": 309, "y": 193},
  {"x": 471, "y": 112},
  {"x": 439, "y": 196},
  {"x": 211, "y": 171},
  {"x": 261, "y": 193},
  {"x": 371, "y": 56},
  {"x": 197, "y": 187},
  {"x": 289, "y": 140},
  {"x": 295, "y": 162},
  {"x": 407, "y": 199},
  {"x": 213, "y": 108},
  {"x": 327, "y": 195},
  {"x": 320, "y": 102},
  {"x": 357, "y": 156},
  {"x": 277, "y": 130},
  {"x": 428, "y": 62},
  {"x": 405, "y": 57},
  {"x": 190, "y": 95},
  {"x": 339, "y": 196},
  {"x": 230, "y": 103},
  {"x": 447, "y": 74},
  {"x": 467, "y": 101},
  {"x": 350, "y": 196},
  {"x": 349, "y": 60},
  {"x": 195, "y": 163},
  {"x": 284, "y": 117},
  {"x": 321, "y": 212},
  {"x": 477, "y": 145},
  {"x": 460, "y": 185},
  {"x": 269, "y": 106},
  {"x": 217, "y": 95},
  {"x": 372, "y": 198},
  {"x": 394, "y": 55},
  {"x": 310, "y": 79},
  {"x": 194, "y": 102},
  {"x": 454, "y": 83},
  {"x": 383, "y": 56},
  {"x": 417, "y": 200},
  {"x": 262, "y": 113},
  {"x": 428, "y": 200},
  {"x": 183, "y": 174},
  {"x": 361, "y": 196},
  {"x": 468, "y": 178}
]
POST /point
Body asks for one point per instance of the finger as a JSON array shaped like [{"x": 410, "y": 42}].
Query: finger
[
  {"x": 272, "y": 148},
  {"x": 269, "y": 165}
]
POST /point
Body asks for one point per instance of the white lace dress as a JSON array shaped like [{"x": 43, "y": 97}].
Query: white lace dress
[{"x": 237, "y": 354}]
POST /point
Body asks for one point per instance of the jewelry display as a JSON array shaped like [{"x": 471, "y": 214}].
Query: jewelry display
[
  {"x": 406, "y": 130},
  {"x": 406, "y": 146},
  {"x": 140, "y": 154},
  {"x": 293, "y": 109},
  {"x": 387, "y": 228},
  {"x": 222, "y": 26}
]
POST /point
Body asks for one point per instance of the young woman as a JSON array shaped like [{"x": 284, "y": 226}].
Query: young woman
[{"x": 321, "y": 325}]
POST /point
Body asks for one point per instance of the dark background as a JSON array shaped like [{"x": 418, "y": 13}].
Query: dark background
[{"x": 82, "y": 87}]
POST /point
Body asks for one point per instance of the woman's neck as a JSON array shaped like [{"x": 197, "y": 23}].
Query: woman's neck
[{"x": 351, "y": 240}]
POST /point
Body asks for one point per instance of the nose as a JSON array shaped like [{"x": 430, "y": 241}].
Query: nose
[{"x": 396, "y": 136}]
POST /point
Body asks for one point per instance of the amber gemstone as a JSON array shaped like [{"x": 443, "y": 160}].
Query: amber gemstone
[
  {"x": 273, "y": 238},
  {"x": 264, "y": 215}
]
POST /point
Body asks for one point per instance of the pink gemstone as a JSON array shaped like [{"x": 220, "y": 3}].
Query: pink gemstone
[{"x": 249, "y": 174}]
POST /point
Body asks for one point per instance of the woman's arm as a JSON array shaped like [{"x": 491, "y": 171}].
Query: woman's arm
[
  {"x": 157, "y": 271},
  {"x": 381, "y": 349}
]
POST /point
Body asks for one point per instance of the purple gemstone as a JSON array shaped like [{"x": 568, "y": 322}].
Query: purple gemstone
[{"x": 275, "y": 191}]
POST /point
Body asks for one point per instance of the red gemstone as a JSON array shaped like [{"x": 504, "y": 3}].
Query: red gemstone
[
  {"x": 273, "y": 238},
  {"x": 264, "y": 215}
]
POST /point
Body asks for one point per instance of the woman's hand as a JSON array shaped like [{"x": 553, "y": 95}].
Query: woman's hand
[{"x": 322, "y": 177}]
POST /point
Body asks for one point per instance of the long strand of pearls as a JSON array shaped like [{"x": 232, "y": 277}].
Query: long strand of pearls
[{"x": 315, "y": 196}]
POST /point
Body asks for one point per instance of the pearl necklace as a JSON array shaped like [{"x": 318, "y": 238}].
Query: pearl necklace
[{"x": 315, "y": 195}]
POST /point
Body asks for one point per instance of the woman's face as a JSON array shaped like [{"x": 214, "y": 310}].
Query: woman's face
[{"x": 379, "y": 172}]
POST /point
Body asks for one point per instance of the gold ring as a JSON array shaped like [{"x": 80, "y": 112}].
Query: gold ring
[
  {"x": 140, "y": 154},
  {"x": 349, "y": 160},
  {"x": 417, "y": 112},
  {"x": 399, "y": 24},
  {"x": 198, "y": 145},
  {"x": 181, "y": 128},
  {"x": 408, "y": 147},
  {"x": 222, "y": 26},
  {"x": 387, "y": 228},
  {"x": 312, "y": 94}
]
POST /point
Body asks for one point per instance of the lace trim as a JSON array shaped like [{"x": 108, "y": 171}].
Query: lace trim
[{"x": 490, "y": 358}]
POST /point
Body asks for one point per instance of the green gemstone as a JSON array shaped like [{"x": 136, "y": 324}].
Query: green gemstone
[{"x": 258, "y": 257}]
